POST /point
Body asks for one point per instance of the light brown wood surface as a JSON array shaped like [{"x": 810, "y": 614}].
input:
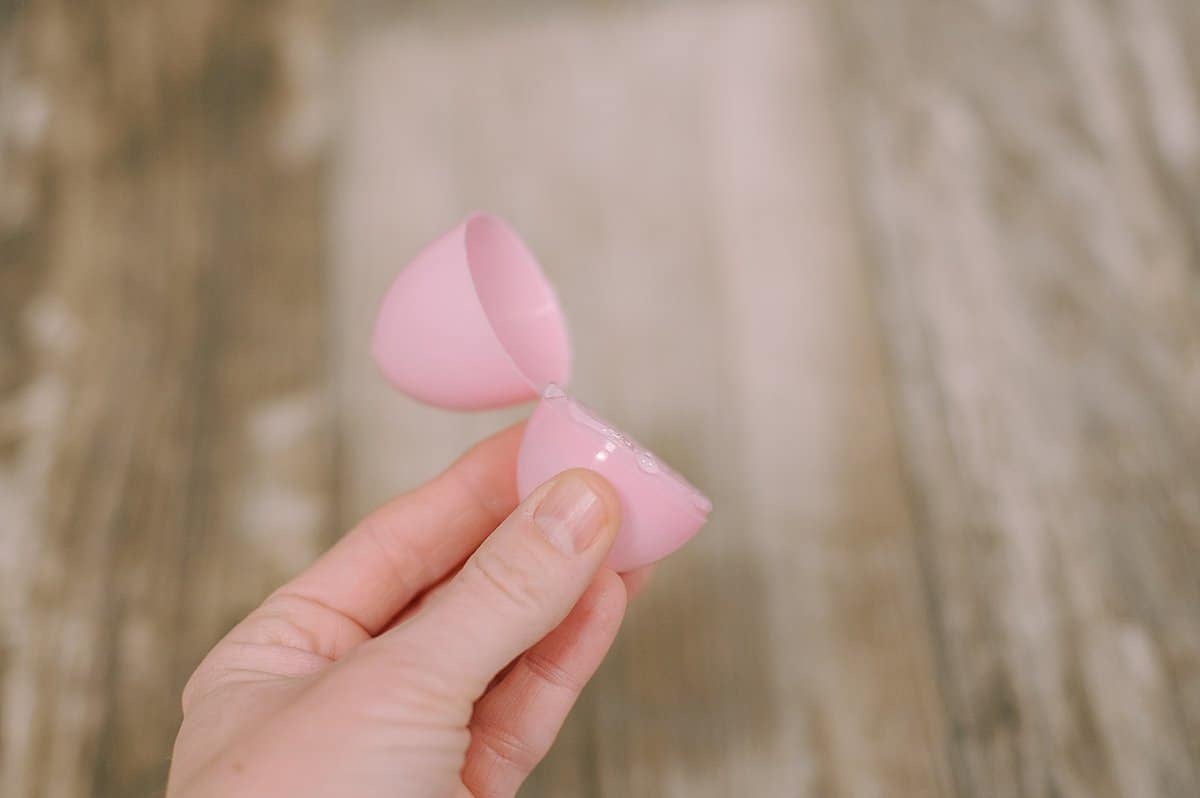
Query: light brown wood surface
[{"x": 911, "y": 289}]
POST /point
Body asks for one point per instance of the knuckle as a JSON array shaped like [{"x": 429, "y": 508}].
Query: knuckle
[
  {"x": 503, "y": 576},
  {"x": 510, "y": 748},
  {"x": 546, "y": 670},
  {"x": 275, "y": 623}
]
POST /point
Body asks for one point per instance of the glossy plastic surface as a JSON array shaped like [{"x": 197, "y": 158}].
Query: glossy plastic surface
[
  {"x": 660, "y": 509},
  {"x": 472, "y": 323}
]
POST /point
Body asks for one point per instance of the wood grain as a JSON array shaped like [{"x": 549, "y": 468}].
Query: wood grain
[
  {"x": 164, "y": 454},
  {"x": 1029, "y": 176},
  {"x": 912, "y": 289}
]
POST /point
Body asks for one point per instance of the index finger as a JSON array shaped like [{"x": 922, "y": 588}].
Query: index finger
[{"x": 411, "y": 542}]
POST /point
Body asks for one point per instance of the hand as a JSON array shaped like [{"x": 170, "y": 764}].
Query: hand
[{"x": 393, "y": 668}]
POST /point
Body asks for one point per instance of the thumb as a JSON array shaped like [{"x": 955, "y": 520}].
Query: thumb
[{"x": 516, "y": 588}]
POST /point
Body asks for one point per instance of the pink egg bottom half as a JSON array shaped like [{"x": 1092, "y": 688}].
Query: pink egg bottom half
[{"x": 660, "y": 510}]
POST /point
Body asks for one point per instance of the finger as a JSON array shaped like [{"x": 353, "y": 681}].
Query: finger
[
  {"x": 520, "y": 584},
  {"x": 411, "y": 542},
  {"x": 637, "y": 579},
  {"x": 516, "y": 722}
]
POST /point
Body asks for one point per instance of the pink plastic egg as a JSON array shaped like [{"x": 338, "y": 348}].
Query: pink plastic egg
[
  {"x": 660, "y": 510},
  {"x": 472, "y": 323}
]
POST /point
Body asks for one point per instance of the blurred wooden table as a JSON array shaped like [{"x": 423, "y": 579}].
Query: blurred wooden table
[{"x": 911, "y": 288}]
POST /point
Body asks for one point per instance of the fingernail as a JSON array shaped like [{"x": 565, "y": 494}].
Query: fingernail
[{"x": 571, "y": 515}]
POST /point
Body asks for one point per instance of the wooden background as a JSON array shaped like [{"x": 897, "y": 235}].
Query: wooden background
[{"x": 911, "y": 288}]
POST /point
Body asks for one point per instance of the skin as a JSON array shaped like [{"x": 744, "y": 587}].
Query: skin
[{"x": 435, "y": 650}]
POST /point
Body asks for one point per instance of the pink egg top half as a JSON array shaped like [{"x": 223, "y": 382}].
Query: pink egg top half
[{"x": 472, "y": 323}]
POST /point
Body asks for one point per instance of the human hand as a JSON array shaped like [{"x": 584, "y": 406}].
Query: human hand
[{"x": 386, "y": 669}]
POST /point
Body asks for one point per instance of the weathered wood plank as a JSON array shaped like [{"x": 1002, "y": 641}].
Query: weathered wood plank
[
  {"x": 677, "y": 171},
  {"x": 164, "y": 454},
  {"x": 1030, "y": 179},
  {"x": 1000, "y": 601}
]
